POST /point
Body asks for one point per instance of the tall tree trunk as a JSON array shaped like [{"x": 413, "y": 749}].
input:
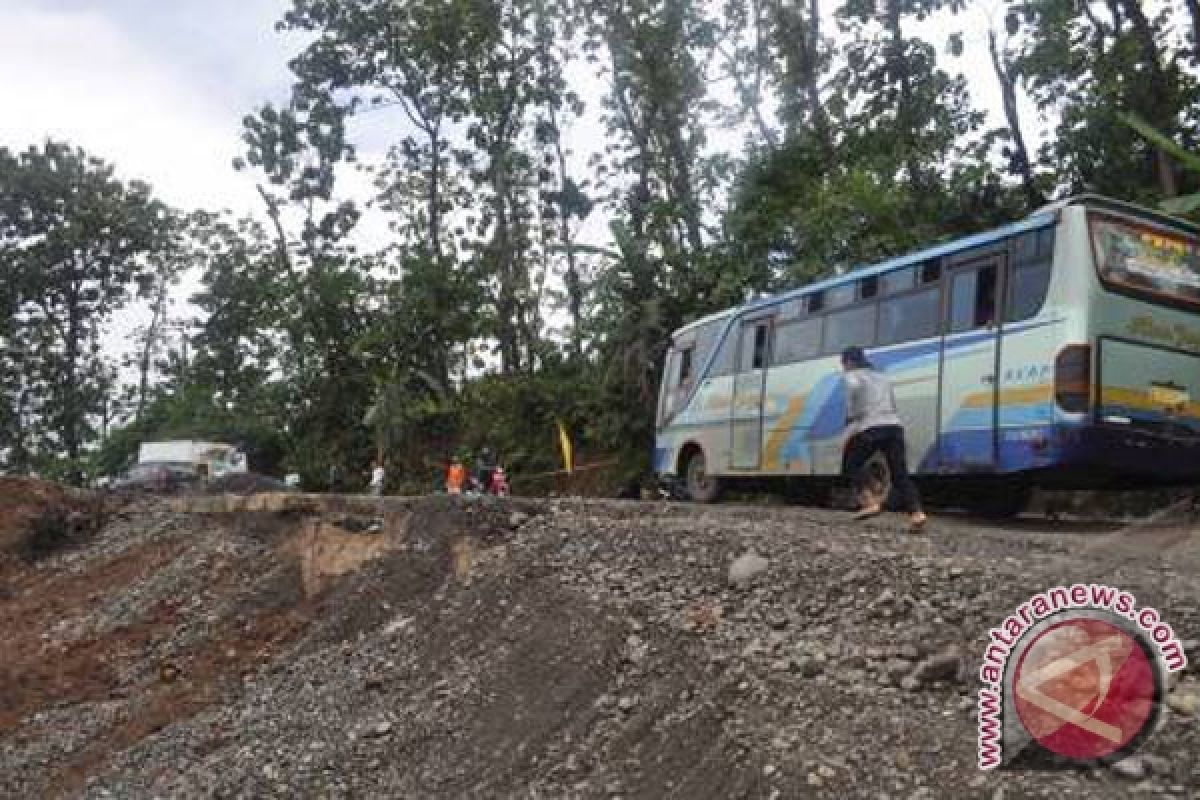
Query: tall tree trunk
[
  {"x": 1155, "y": 110},
  {"x": 1193, "y": 7},
  {"x": 574, "y": 284},
  {"x": 683, "y": 188},
  {"x": 284, "y": 257},
  {"x": 147, "y": 354},
  {"x": 72, "y": 429},
  {"x": 798, "y": 38},
  {"x": 810, "y": 76},
  {"x": 1008, "y": 90},
  {"x": 905, "y": 113},
  {"x": 434, "y": 194}
]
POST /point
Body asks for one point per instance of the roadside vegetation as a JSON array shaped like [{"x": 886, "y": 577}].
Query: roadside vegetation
[{"x": 486, "y": 320}]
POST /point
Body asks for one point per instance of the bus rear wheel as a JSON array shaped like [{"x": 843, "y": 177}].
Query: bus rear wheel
[{"x": 701, "y": 486}]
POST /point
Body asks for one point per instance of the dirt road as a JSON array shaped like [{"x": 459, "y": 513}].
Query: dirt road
[{"x": 550, "y": 649}]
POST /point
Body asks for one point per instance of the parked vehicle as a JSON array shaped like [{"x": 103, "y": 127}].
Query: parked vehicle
[
  {"x": 159, "y": 478},
  {"x": 208, "y": 459}
]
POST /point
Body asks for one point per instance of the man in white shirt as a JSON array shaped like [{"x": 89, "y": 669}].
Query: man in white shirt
[
  {"x": 377, "y": 476},
  {"x": 874, "y": 427}
]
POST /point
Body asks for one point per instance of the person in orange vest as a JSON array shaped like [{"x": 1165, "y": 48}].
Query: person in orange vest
[{"x": 455, "y": 477}]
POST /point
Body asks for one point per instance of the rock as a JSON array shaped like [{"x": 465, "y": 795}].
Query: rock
[
  {"x": 810, "y": 668},
  {"x": 944, "y": 666},
  {"x": 1156, "y": 764},
  {"x": 896, "y": 669},
  {"x": 1133, "y": 768},
  {"x": 746, "y": 568},
  {"x": 826, "y": 771},
  {"x": 627, "y": 703},
  {"x": 909, "y": 684},
  {"x": 635, "y": 649},
  {"x": 815, "y": 780},
  {"x": 381, "y": 729},
  {"x": 1184, "y": 703}
]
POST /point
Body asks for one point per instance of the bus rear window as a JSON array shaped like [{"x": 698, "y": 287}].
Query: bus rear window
[{"x": 1158, "y": 264}]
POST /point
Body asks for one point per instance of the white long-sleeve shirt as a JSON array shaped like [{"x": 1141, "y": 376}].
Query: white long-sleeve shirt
[{"x": 870, "y": 401}]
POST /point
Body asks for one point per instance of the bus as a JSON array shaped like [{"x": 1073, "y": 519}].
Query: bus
[{"x": 1060, "y": 351}]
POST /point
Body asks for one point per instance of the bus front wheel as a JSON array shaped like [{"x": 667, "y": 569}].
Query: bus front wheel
[{"x": 701, "y": 486}]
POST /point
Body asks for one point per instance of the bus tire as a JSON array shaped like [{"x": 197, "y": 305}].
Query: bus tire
[
  {"x": 701, "y": 487},
  {"x": 878, "y": 480}
]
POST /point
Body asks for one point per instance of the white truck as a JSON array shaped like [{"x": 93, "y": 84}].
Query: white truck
[{"x": 205, "y": 459}]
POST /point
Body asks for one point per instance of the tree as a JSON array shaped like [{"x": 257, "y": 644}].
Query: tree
[
  {"x": 1185, "y": 204},
  {"x": 1008, "y": 76},
  {"x": 77, "y": 242},
  {"x": 1089, "y": 62}
]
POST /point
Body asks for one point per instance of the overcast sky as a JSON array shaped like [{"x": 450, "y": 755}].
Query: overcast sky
[
  {"x": 159, "y": 87},
  {"x": 156, "y": 87}
]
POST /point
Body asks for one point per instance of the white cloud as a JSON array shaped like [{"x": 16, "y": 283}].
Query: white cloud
[
  {"x": 158, "y": 88},
  {"x": 77, "y": 76}
]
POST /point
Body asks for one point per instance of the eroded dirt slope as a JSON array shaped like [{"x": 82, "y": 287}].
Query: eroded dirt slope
[{"x": 554, "y": 649}]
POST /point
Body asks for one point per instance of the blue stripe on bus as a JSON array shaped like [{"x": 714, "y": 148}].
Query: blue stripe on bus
[{"x": 824, "y": 411}]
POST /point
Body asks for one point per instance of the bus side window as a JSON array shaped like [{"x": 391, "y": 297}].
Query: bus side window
[
  {"x": 724, "y": 360},
  {"x": 854, "y": 326},
  {"x": 972, "y": 299},
  {"x": 755, "y": 340},
  {"x": 754, "y": 347},
  {"x": 797, "y": 341},
  {"x": 908, "y": 317},
  {"x": 1027, "y": 290},
  {"x": 685, "y": 366},
  {"x": 1029, "y": 276},
  {"x": 760, "y": 346}
]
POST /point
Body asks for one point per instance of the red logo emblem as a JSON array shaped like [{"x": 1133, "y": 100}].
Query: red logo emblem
[{"x": 1086, "y": 688}]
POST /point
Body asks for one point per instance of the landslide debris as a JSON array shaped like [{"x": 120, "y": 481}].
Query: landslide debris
[{"x": 480, "y": 648}]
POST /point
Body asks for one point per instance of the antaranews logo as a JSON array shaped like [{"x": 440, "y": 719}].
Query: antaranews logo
[{"x": 1078, "y": 671}]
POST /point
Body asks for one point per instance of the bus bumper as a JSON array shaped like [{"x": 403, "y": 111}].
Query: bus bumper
[{"x": 1144, "y": 456}]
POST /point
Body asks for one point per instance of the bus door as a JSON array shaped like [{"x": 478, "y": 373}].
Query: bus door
[
  {"x": 746, "y": 410},
  {"x": 969, "y": 383}
]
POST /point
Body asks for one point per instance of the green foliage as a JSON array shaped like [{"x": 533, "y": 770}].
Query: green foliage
[
  {"x": 75, "y": 246},
  {"x": 1091, "y": 68},
  {"x": 485, "y": 321},
  {"x": 1184, "y": 204}
]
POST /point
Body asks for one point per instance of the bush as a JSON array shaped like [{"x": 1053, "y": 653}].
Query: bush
[{"x": 57, "y": 528}]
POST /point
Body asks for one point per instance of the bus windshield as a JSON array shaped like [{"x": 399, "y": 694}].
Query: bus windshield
[{"x": 1162, "y": 265}]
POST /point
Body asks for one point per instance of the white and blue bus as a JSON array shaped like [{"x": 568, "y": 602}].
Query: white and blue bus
[{"x": 1060, "y": 351}]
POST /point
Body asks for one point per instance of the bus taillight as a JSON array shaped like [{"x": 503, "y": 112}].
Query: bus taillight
[{"x": 1073, "y": 378}]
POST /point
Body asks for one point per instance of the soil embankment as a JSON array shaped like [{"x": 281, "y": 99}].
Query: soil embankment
[{"x": 443, "y": 648}]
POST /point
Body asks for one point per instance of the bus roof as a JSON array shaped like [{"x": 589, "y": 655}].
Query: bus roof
[
  {"x": 706, "y": 319},
  {"x": 1032, "y": 222},
  {"x": 1108, "y": 203},
  {"x": 1044, "y": 216}
]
